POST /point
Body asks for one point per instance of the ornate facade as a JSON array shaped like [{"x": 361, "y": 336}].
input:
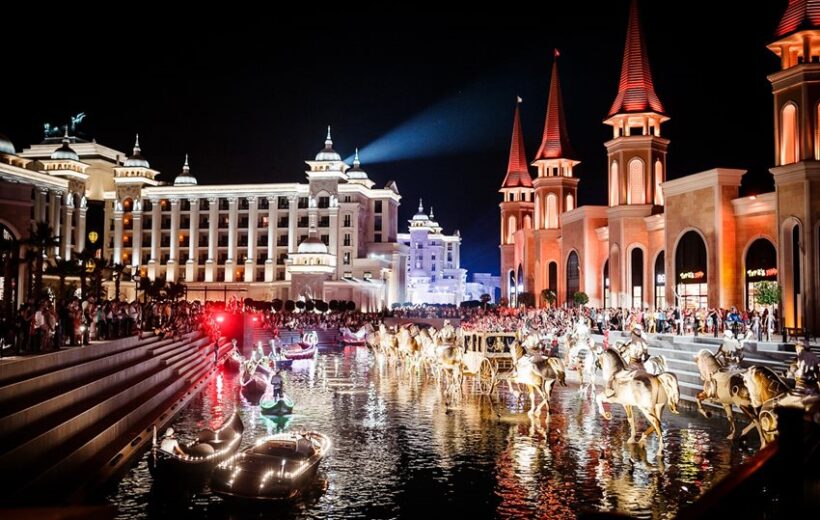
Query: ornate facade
[
  {"x": 692, "y": 241},
  {"x": 332, "y": 237}
]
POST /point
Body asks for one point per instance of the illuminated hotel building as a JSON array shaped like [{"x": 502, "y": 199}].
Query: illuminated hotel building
[
  {"x": 332, "y": 237},
  {"x": 434, "y": 272},
  {"x": 691, "y": 241}
]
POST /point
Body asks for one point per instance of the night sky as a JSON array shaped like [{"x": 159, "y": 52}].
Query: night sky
[{"x": 428, "y": 99}]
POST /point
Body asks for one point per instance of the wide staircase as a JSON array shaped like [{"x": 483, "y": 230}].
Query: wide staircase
[
  {"x": 680, "y": 351},
  {"x": 255, "y": 332},
  {"x": 64, "y": 415}
]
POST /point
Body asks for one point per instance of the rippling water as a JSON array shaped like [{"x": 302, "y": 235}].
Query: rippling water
[{"x": 400, "y": 452}]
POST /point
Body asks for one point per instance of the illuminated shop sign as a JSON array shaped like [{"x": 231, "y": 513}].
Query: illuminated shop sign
[
  {"x": 697, "y": 275},
  {"x": 761, "y": 273}
]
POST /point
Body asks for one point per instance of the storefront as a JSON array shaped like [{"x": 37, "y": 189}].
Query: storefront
[
  {"x": 660, "y": 281},
  {"x": 691, "y": 273},
  {"x": 761, "y": 265}
]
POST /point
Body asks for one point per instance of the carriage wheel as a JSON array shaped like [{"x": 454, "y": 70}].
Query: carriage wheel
[
  {"x": 486, "y": 377},
  {"x": 768, "y": 423}
]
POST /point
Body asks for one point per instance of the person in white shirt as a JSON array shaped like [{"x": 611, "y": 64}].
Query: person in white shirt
[{"x": 170, "y": 444}]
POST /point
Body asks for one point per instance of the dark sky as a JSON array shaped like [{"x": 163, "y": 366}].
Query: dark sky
[{"x": 248, "y": 95}]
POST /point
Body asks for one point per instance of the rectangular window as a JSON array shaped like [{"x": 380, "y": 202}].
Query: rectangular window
[
  {"x": 378, "y": 206},
  {"x": 377, "y": 224},
  {"x": 326, "y": 239},
  {"x": 282, "y": 203},
  {"x": 347, "y": 239},
  {"x": 377, "y": 237},
  {"x": 324, "y": 221},
  {"x": 303, "y": 203},
  {"x": 347, "y": 258},
  {"x": 347, "y": 275},
  {"x": 324, "y": 202},
  {"x": 347, "y": 220},
  {"x": 263, "y": 203},
  {"x": 204, "y": 204},
  {"x": 347, "y": 198}
]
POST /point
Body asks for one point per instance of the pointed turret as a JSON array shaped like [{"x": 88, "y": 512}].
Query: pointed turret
[
  {"x": 518, "y": 176},
  {"x": 636, "y": 91},
  {"x": 137, "y": 160},
  {"x": 65, "y": 152},
  {"x": 328, "y": 153},
  {"x": 799, "y": 15},
  {"x": 555, "y": 141},
  {"x": 185, "y": 178}
]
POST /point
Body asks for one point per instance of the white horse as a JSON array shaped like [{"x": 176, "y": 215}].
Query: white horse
[{"x": 583, "y": 358}]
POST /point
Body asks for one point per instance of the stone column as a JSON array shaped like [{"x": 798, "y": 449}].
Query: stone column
[
  {"x": 333, "y": 246},
  {"x": 292, "y": 237},
  {"x": 136, "y": 235},
  {"x": 56, "y": 209},
  {"x": 173, "y": 259},
  {"x": 155, "y": 227},
  {"x": 193, "y": 242},
  {"x": 230, "y": 264},
  {"x": 213, "y": 233},
  {"x": 40, "y": 205},
  {"x": 117, "y": 232},
  {"x": 68, "y": 217},
  {"x": 80, "y": 231},
  {"x": 250, "y": 261},
  {"x": 269, "y": 263}
]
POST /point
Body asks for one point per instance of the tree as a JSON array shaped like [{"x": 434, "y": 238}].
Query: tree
[
  {"x": 41, "y": 241},
  {"x": 549, "y": 296},
  {"x": 290, "y": 305},
  {"x": 277, "y": 305},
  {"x": 767, "y": 293},
  {"x": 333, "y": 305},
  {"x": 322, "y": 306},
  {"x": 351, "y": 306},
  {"x": 175, "y": 290},
  {"x": 503, "y": 302},
  {"x": 118, "y": 274},
  {"x": 87, "y": 265},
  {"x": 100, "y": 267},
  {"x": 580, "y": 298},
  {"x": 310, "y": 305},
  {"x": 526, "y": 299},
  {"x": 300, "y": 305},
  {"x": 62, "y": 269},
  {"x": 485, "y": 299}
]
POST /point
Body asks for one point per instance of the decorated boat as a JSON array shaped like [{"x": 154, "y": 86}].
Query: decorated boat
[
  {"x": 350, "y": 338},
  {"x": 278, "y": 467},
  {"x": 234, "y": 361},
  {"x": 300, "y": 352},
  {"x": 202, "y": 454},
  {"x": 283, "y": 406}
]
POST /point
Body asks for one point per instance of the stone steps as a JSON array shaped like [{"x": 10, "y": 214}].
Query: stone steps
[{"x": 95, "y": 411}]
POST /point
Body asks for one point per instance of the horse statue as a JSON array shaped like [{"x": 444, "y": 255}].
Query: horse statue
[
  {"x": 766, "y": 390},
  {"x": 726, "y": 388},
  {"x": 537, "y": 373},
  {"x": 637, "y": 388},
  {"x": 582, "y": 356}
]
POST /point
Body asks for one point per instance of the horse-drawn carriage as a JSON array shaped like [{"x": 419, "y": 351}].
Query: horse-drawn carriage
[{"x": 488, "y": 358}]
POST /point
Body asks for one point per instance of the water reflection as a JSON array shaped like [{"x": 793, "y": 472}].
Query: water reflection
[{"x": 401, "y": 451}]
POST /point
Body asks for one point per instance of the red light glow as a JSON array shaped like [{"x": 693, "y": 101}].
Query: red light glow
[{"x": 220, "y": 318}]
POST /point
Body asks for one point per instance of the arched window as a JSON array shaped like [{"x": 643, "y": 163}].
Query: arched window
[
  {"x": 570, "y": 202},
  {"x": 761, "y": 265},
  {"x": 511, "y": 289},
  {"x": 573, "y": 276},
  {"x": 635, "y": 194},
  {"x": 636, "y": 276},
  {"x": 658, "y": 181},
  {"x": 691, "y": 273},
  {"x": 9, "y": 271},
  {"x": 510, "y": 228},
  {"x": 660, "y": 281},
  {"x": 789, "y": 135},
  {"x": 552, "y": 277},
  {"x": 613, "y": 185},
  {"x": 552, "y": 211},
  {"x": 607, "y": 302},
  {"x": 527, "y": 222}
]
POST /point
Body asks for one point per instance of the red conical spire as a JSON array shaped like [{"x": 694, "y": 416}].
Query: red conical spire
[
  {"x": 555, "y": 142},
  {"x": 636, "y": 92},
  {"x": 800, "y": 14},
  {"x": 518, "y": 175}
]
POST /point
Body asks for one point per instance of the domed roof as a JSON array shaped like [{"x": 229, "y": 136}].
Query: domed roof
[
  {"x": 356, "y": 171},
  {"x": 312, "y": 244},
  {"x": 420, "y": 216},
  {"x": 6, "y": 146},
  {"x": 185, "y": 178},
  {"x": 136, "y": 160},
  {"x": 65, "y": 152},
  {"x": 328, "y": 153}
]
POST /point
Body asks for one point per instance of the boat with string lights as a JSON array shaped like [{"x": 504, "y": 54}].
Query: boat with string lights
[
  {"x": 279, "y": 467},
  {"x": 209, "y": 448}
]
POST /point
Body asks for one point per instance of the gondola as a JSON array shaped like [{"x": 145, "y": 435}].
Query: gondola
[
  {"x": 283, "y": 406},
  {"x": 303, "y": 351},
  {"x": 233, "y": 362},
  {"x": 206, "y": 451},
  {"x": 279, "y": 467},
  {"x": 353, "y": 339}
]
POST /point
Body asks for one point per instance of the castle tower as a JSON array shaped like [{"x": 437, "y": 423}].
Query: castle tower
[
  {"x": 636, "y": 168},
  {"x": 796, "y": 89},
  {"x": 556, "y": 190},
  {"x": 516, "y": 209}
]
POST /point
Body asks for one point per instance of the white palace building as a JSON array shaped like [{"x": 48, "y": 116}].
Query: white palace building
[
  {"x": 332, "y": 237},
  {"x": 434, "y": 273}
]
